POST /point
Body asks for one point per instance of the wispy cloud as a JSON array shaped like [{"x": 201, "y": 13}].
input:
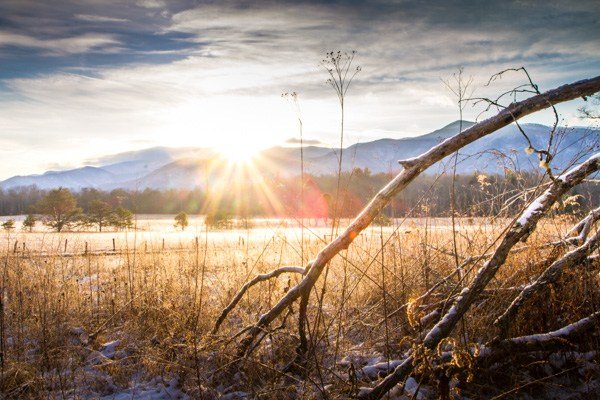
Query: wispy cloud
[
  {"x": 62, "y": 46},
  {"x": 305, "y": 142},
  {"x": 108, "y": 78},
  {"x": 151, "y": 3},
  {"x": 99, "y": 18}
]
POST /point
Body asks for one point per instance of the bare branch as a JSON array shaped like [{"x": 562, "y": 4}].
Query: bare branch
[
  {"x": 427, "y": 159},
  {"x": 538, "y": 342},
  {"x": 257, "y": 279},
  {"x": 583, "y": 228}
]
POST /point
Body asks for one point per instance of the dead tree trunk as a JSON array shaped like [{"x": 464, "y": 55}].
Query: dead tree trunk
[
  {"x": 412, "y": 168},
  {"x": 520, "y": 230}
]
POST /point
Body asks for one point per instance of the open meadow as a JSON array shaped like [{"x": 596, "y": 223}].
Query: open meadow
[
  {"x": 139, "y": 321},
  {"x": 299, "y": 200}
]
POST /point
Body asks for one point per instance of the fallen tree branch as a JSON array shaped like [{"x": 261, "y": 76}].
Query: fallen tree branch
[
  {"x": 583, "y": 227},
  {"x": 538, "y": 342},
  {"x": 257, "y": 279},
  {"x": 495, "y": 351},
  {"x": 413, "y": 168},
  {"x": 521, "y": 229},
  {"x": 550, "y": 275}
]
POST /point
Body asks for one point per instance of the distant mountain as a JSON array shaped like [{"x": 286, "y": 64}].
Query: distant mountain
[
  {"x": 74, "y": 179},
  {"x": 169, "y": 168},
  {"x": 187, "y": 173},
  {"x": 131, "y": 170},
  {"x": 488, "y": 154},
  {"x": 135, "y": 165}
]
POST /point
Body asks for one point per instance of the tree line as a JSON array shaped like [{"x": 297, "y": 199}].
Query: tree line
[
  {"x": 20, "y": 200},
  {"x": 476, "y": 194},
  {"x": 58, "y": 209}
]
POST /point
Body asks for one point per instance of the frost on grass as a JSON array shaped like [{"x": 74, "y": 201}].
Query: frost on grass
[
  {"x": 92, "y": 381},
  {"x": 155, "y": 389}
]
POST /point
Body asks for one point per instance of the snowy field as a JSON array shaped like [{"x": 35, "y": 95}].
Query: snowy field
[{"x": 155, "y": 231}]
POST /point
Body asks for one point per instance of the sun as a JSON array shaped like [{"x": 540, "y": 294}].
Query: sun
[{"x": 237, "y": 153}]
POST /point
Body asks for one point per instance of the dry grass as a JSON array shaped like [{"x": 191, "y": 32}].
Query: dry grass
[{"x": 161, "y": 306}]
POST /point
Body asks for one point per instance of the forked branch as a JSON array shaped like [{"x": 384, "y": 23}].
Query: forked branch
[{"x": 257, "y": 279}]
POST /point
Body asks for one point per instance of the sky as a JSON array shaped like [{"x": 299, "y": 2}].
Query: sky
[{"x": 88, "y": 78}]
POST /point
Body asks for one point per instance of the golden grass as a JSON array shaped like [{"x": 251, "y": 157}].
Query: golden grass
[{"x": 162, "y": 305}]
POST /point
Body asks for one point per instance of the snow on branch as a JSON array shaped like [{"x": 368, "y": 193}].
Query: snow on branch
[
  {"x": 562, "y": 333},
  {"x": 583, "y": 228},
  {"x": 548, "y": 341},
  {"x": 526, "y": 222}
]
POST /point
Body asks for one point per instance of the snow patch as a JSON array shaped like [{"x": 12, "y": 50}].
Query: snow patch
[{"x": 155, "y": 389}]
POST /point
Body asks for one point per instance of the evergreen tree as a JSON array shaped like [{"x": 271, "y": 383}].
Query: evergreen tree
[
  {"x": 99, "y": 213},
  {"x": 8, "y": 225},
  {"x": 29, "y": 222},
  {"x": 122, "y": 218}
]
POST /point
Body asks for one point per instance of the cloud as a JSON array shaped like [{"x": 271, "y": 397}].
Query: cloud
[
  {"x": 62, "y": 46},
  {"x": 99, "y": 18},
  {"x": 150, "y": 3},
  {"x": 405, "y": 41},
  {"x": 182, "y": 73}
]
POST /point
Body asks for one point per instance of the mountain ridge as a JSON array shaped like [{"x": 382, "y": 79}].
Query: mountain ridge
[{"x": 172, "y": 168}]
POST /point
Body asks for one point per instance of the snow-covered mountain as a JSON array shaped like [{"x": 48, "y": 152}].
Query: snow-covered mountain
[
  {"x": 74, "y": 179},
  {"x": 491, "y": 154},
  {"x": 166, "y": 168}
]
